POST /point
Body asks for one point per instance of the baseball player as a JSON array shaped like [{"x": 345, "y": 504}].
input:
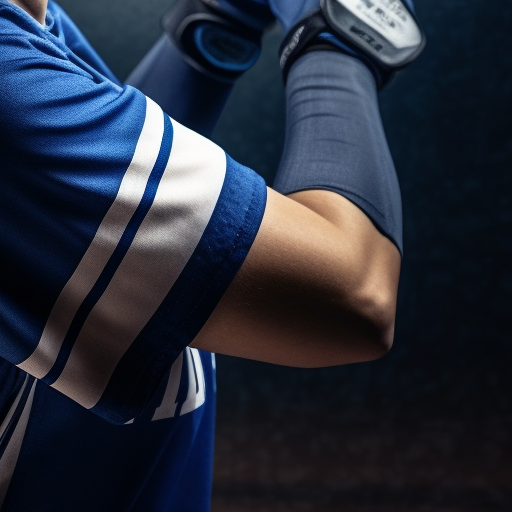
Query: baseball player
[{"x": 133, "y": 248}]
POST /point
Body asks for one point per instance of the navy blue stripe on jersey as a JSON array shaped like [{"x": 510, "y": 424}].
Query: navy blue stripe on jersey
[
  {"x": 175, "y": 224},
  {"x": 130, "y": 190},
  {"x": 126, "y": 243},
  {"x": 211, "y": 268},
  {"x": 66, "y": 143},
  {"x": 118, "y": 254},
  {"x": 77, "y": 153}
]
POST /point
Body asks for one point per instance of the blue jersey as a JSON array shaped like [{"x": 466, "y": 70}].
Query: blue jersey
[{"x": 120, "y": 230}]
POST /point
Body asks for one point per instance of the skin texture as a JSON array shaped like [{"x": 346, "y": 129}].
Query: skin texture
[{"x": 318, "y": 287}]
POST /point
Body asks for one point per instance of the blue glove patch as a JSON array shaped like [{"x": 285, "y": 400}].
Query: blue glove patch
[{"x": 225, "y": 50}]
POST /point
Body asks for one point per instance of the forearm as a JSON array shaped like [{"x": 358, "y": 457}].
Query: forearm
[
  {"x": 319, "y": 286},
  {"x": 307, "y": 297},
  {"x": 375, "y": 262},
  {"x": 337, "y": 163},
  {"x": 335, "y": 139}
]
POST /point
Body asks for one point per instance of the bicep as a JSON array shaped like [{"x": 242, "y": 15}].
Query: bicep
[{"x": 317, "y": 288}]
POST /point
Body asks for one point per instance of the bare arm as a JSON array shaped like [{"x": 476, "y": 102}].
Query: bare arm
[{"x": 318, "y": 287}]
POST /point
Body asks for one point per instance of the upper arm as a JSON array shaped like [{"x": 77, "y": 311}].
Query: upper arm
[
  {"x": 120, "y": 230},
  {"x": 318, "y": 287}
]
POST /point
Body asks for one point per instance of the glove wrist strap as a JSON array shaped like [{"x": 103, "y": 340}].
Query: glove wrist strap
[
  {"x": 212, "y": 42},
  {"x": 385, "y": 37}
]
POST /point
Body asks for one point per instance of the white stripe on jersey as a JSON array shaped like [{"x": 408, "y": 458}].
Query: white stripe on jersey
[
  {"x": 196, "y": 390},
  {"x": 103, "y": 245},
  {"x": 12, "y": 451},
  {"x": 169, "y": 404},
  {"x": 12, "y": 410},
  {"x": 183, "y": 205},
  {"x": 196, "y": 386}
]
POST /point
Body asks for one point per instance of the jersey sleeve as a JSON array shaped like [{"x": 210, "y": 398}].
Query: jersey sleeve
[{"x": 120, "y": 229}]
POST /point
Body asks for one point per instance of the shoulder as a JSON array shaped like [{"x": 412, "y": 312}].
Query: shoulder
[
  {"x": 48, "y": 92},
  {"x": 26, "y": 52},
  {"x": 27, "y": 45}
]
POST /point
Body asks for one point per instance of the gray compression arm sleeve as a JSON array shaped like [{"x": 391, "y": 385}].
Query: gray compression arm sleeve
[{"x": 335, "y": 139}]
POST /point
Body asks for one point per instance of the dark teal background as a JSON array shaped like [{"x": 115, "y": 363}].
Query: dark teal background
[{"x": 429, "y": 426}]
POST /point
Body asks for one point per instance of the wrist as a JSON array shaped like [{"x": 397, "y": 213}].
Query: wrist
[{"x": 385, "y": 38}]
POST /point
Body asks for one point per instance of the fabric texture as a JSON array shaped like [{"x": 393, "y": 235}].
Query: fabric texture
[
  {"x": 122, "y": 201},
  {"x": 121, "y": 229},
  {"x": 335, "y": 139}
]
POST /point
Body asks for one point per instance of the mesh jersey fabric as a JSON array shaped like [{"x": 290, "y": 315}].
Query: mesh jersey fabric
[{"x": 121, "y": 230}]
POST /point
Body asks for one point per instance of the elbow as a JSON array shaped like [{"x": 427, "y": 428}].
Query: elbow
[
  {"x": 384, "y": 327},
  {"x": 377, "y": 312},
  {"x": 375, "y": 298},
  {"x": 383, "y": 320}
]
